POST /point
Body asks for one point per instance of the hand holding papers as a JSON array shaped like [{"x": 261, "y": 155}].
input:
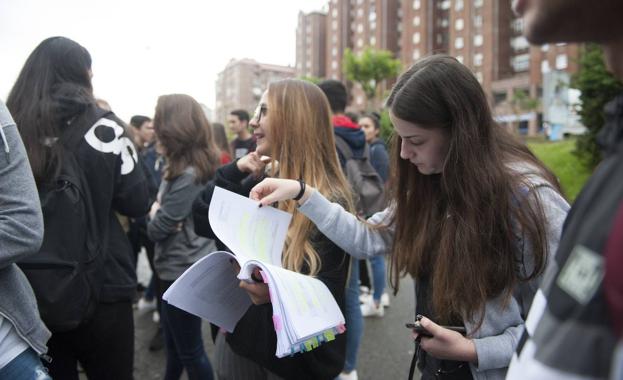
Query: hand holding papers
[{"x": 305, "y": 313}]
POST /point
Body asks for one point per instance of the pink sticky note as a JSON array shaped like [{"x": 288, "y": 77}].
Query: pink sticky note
[
  {"x": 277, "y": 322},
  {"x": 341, "y": 328}
]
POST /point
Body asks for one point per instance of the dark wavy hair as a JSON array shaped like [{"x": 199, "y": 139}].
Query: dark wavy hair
[
  {"x": 53, "y": 87},
  {"x": 186, "y": 136},
  {"x": 461, "y": 228}
]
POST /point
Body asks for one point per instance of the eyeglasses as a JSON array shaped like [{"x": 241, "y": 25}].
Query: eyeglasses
[{"x": 259, "y": 112}]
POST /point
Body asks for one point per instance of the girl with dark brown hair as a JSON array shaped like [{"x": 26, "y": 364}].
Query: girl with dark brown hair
[
  {"x": 185, "y": 137},
  {"x": 473, "y": 217}
]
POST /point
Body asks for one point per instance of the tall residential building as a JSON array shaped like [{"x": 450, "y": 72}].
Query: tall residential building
[
  {"x": 311, "y": 45},
  {"x": 482, "y": 34},
  {"x": 242, "y": 82}
]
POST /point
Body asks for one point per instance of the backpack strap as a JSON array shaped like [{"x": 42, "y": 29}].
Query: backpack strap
[
  {"x": 346, "y": 151},
  {"x": 343, "y": 147}
]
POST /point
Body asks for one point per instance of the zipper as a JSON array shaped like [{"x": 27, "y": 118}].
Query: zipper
[{"x": 28, "y": 341}]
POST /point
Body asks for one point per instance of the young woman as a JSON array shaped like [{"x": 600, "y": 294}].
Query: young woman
[
  {"x": 373, "y": 304},
  {"x": 185, "y": 138},
  {"x": 292, "y": 125},
  {"x": 63, "y": 129},
  {"x": 473, "y": 217}
]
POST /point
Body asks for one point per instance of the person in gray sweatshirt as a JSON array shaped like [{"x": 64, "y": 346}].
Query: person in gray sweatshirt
[
  {"x": 473, "y": 217},
  {"x": 23, "y": 336},
  {"x": 185, "y": 137}
]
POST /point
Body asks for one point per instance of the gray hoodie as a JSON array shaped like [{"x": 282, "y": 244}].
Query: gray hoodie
[
  {"x": 21, "y": 234},
  {"x": 498, "y": 336},
  {"x": 173, "y": 230}
]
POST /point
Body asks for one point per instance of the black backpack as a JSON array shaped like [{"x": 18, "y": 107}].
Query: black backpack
[
  {"x": 365, "y": 182},
  {"x": 67, "y": 272}
]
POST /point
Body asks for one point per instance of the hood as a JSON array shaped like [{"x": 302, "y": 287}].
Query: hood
[
  {"x": 378, "y": 141},
  {"x": 350, "y": 132}
]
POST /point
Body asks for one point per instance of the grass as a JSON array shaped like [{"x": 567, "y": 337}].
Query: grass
[{"x": 559, "y": 157}]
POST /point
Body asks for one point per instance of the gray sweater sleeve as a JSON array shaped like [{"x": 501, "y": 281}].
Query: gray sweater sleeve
[
  {"x": 496, "y": 350},
  {"x": 346, "y": 230},
  {"x": 176, "y": 204},
  {"x": 21, "y": 221}
]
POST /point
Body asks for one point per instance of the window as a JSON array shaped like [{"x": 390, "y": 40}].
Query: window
[
  {"x": 359, "y": 28},
  {"x": 445, "y": 5},
  {"x": 478, "y": 57},
  {"x": 561, "y": 61},
  {"x": 458, "y": 43},
  {"x": 334, "y": 65},
  {"x": 478, "y": 3},
  {"x": 334, "y": 52},
  {"x": 416, "y": 4},
  {"x": 416, "y": 21},
  {"x": 372, "y": 41},
  {"x": 416, "y": 37},
  {"x": 521, "y": 62},
  {"x": 478, "y": 40},
  {"x": 416, "y": 54},
  {"x": 372, "y": 16},
  {"x": 459, "y": 24},
  {"x": 460, "y": 58},
  {"x": 479, "y": 76},
  {"x": 334, "y": 12},
  {"x": 334, "y": 24},
  {"x": 519, "y": 43},
  {"x": 545, "y": 67},
  {"x": 545, "y": 47},
  {"x": 360, "y": 43},
  {"x": 458, "y": 5},
  {"x": 478, "y": 21},
  {"x": 517, "y": 25}
]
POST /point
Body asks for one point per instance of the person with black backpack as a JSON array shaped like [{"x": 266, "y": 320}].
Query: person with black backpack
[
  {"x": 86, "y": 169},
  {"x": 367, "y": 190}
]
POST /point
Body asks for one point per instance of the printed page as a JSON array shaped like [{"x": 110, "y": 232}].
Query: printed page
[
  {"x": 209, "y": 289},
  {"x": 249, "y": 231}
]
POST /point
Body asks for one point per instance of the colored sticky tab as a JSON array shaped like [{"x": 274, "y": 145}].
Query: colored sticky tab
[
  {"x": 341, "y": 329},
  {"x": 277, "y": 323},
  {"x": 329, "y": 335}
]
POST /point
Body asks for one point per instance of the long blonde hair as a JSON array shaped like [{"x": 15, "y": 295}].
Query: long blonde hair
[{"x": 304, "y": 146}]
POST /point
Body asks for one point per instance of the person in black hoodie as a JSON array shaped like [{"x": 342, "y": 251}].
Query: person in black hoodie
[
  {"x": 345, "y": 129},
  {"x": 52, "y": 100},
  {"x": 292, "y": 126}
]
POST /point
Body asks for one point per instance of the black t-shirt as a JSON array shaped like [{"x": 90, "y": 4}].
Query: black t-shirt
[{"x": 241, "y": 148}]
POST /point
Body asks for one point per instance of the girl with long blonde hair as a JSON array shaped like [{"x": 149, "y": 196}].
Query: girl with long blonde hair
[{"x": 292, "y": 125}]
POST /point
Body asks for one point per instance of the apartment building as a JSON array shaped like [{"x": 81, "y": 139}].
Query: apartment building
[
  {"x": 242, "y": 82},
  {"x": 311, "y": 45}
]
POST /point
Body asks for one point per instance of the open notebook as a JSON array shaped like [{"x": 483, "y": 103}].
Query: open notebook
[{"x": 305, "y": 313}]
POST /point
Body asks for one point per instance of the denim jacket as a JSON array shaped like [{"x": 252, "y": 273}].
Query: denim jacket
[{"x": 21, "y": 234}]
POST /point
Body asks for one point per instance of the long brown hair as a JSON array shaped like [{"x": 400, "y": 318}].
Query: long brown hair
[
  {"x": 185, "y": 134},
  {"x": 304, "y": 146},
  {"x": 461, "y": 228}
]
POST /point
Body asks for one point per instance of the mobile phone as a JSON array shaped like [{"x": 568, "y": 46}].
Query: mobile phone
[{"x": 417, "y": 326}]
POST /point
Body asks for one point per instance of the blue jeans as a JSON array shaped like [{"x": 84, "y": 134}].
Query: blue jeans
[
  {"x": 182, "y": 333},
  {"x": 26, "y": 366},
  {"x": 378, "y": 276},
  {"x": 354, "y": 320}
]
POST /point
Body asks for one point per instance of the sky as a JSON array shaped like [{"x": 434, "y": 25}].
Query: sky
[{"x": 142, "y": 49}]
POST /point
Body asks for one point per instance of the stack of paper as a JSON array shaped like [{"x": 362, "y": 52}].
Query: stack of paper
[{"x": 305, "y": 313}]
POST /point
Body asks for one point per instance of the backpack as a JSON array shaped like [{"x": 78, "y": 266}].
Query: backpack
[
  {"x": 67, "y": 272},
  {"x": 365, "y": 182}
]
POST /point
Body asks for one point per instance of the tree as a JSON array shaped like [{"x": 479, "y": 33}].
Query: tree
[
  {"x": 369, "y": 69},
  {"x": 521, "y": 102},
  {"x": 597, "y": 87},
  {"x": 312, "y": 79}
]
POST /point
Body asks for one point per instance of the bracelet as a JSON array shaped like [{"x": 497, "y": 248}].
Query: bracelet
[{"x": 302, "y": 192}]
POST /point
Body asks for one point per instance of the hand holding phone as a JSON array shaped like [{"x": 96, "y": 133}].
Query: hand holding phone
[{"x": 421, "y": 331}]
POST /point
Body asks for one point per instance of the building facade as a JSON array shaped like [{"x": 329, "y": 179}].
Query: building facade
[
  {"x": 482, "y": 34},
  {"x": 311, "y": 45},
  {"x": 241, "y": 84}
]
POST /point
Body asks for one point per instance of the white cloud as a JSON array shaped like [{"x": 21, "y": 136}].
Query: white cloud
[{"x": 142, "y": 49}]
